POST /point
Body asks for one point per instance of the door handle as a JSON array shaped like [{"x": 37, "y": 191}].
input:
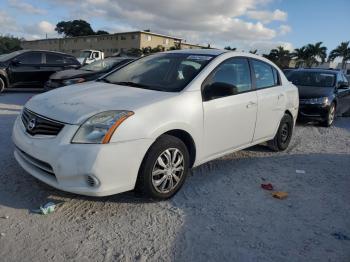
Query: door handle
[
  {"x": 280, "y": 96},
  {"x": 251, "y": 104}
]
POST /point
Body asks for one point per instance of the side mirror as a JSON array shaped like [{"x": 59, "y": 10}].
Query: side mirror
[
  {"x": 15, "y": 62},
  {"x": 343, "y": 85},
  {"x": 218, "y": 90}
]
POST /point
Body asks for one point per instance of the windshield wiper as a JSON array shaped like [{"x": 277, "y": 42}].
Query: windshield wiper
[{"x": 133, "y": 84}]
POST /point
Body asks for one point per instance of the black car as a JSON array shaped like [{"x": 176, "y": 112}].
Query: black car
[
  {"x": 86, "y": 73},
  {"x": 323, "y": 94},
  {"x": 28, "y": 68}
]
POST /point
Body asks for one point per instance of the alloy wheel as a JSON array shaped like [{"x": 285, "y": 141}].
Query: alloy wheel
[
  {"x": 331, "y": 115},
  {"x": 168, "y": 170},
  {"x": 2, "y": 85}
]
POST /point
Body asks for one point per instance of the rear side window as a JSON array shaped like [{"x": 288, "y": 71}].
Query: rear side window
[
  {"x": 235, "y": 72},
  {"x": 264, "y": 74},
  {"x": 54, "y": 59},
  {"x": 70, "y": 60},
  {"x": 30, "y": 58}
]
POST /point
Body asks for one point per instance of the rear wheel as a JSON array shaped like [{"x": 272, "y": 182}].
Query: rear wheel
[
  {"x": 2, "y": 85},
  {"x": 330, "y": 116},
  {"x": 164, "y": 168},
  {"x": 284, "y": 134}
]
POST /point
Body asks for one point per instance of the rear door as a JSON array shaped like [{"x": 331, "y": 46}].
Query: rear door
[
  {"x": 271, "y": 99},
  {"x": 52, "y": 63},
  {"x": 229, "y": 120},
  {"x": 26, "y": 72},
  {"x": 343, "y": 94}
]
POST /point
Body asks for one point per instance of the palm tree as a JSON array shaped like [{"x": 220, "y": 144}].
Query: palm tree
[
  {"x": 316, "y": 52},
  {"x": 230, "y": 48},
  {"x": 253, "y": 51},
  {"x": 301, "y": 55},
  {"x": 342, "y": 50},
  {"x": 279, "y": 56}
]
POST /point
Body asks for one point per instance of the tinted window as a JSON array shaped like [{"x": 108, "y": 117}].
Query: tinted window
[
  {"x": 312, "y": 78},
  {"x": 263, "y": 74},
  {"x": 30, "y": 58},
  {"x": 168, "y": 72},
  {"x": 234, "y": 72},
  {"x": 54, "y": 59},
  {"x": 70, "y": 60}
]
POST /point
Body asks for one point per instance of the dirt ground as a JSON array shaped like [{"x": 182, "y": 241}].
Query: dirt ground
[{"x": 221, "y": 213}]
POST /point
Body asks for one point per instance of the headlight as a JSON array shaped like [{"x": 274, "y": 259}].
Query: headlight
[
  {"x": 318, "y": 101},
  {"x": 73, "y": 81},
  {"x": 99, "y": 128}
]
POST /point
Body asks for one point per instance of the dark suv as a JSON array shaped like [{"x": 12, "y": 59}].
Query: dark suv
[{"x": 28, "y": 68}]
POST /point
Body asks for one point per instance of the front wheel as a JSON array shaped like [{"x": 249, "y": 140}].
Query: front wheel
[
  {"x": 330, "y": 116},
  {"x": 284, "y": 134},
  {"x": 164, "y": 168},
  {"x": 2, "y": 85}
]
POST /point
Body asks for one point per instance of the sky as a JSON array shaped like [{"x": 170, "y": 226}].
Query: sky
[{"x": 244, "y": 24}]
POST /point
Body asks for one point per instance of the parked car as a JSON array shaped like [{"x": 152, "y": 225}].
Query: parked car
[
  {"x": 288, "y": 71},
  {"x": 27, "y": 68},
  {"x": 89, "y": 56},
  {"x": 144, "y": 125},
  {"x": 86, "y": 73},
  {"x": 323, "y": 94}
]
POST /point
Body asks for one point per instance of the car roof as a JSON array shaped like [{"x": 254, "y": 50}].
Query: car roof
[
  {"x": 214, "y": 52},
  {"x": 322, "y": 70},
  {"x": 46, "y": 51}
]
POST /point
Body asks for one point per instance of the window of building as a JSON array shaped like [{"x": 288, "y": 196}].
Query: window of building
[
  {"x": 123, "y": 37},
  {"x": 165, "y": 41},
  {"x": 148, "y": 38},
  {"x": 263, "y": 74}
]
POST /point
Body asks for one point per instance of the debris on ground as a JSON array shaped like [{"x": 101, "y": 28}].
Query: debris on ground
[
  {"x": 280, "y": 195},
  {"x": 2, "y": 234},
  {"x": 340, "y": 236},
  {"x": 267, "y": 186},
  {"x": 300, "y": 171},
  {"x": 46, "y": 209},
  {"x": 5, "y": 217}
]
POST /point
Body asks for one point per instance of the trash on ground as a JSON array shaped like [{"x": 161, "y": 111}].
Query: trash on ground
[
  {"x": 299, "y": 171},
  {"x": 340, "y": 236},
  {"x": 5, "y": 217},
  {"x": 2, "y": 234},
  {"x": 46, "y": 209},
  {"x": 280, "y": 195},
  {"x": 267, "y": 186}
]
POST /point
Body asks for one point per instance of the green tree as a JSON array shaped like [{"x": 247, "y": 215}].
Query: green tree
[
  {"x": 343, "y": 51},
  {"x": 280, "y": 56},
  {"x": 134, "y": 52},
  {"x": 177, "y": 46},
  {"x": 315, "y": 53},
  {"x": 9, "y": 44},
  {"x": 253, "y": 51},
  {"x": 101, "y": 32},
  {"x": 300, "y": 55},
  {"x": 74, "y": 28}
]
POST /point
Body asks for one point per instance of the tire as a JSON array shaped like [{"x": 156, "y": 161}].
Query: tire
[
  {"x": 161, "y": 177},
  {"x": 330, "y": 116},
  {"x": 2, "y": 85},
  {"x": 283, "y": 136}
]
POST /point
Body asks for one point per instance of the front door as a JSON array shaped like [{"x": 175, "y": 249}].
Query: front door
[{"x": 229, "y": 119}]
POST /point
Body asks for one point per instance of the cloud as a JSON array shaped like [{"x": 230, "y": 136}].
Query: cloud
[
  {"x": 25, "y": 7},
  {"x": 267, "y": 16},
  {"x": 284, "y": 29},
  {"x": 46, "y": 27},
  {"x": 7, "y": 23}
]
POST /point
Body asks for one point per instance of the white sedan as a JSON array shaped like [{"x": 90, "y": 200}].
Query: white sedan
[{"x": 145, "y": 125}]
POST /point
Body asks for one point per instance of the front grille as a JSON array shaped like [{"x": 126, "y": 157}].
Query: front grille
[
  {"x": 39, "y": 125},
  {"x": 43, "y": 166}
]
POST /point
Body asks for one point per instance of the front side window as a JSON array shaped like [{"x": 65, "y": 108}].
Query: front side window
[
  {"x": 234, "y": 72},
  {"x": 54, "y": 59},
  {"x": 163, "y": 72},
  {"x": 30, "y": 58},
  {"x": 264, "y": 74}
]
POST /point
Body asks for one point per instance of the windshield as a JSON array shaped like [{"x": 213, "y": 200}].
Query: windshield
[
  {"x": 100, "y": 65},
  {"x": 319, "y": 79},
  {"x": 9, "y": 56},
  {"x": 169, "y": 72},
  {"x": 84, "y": 54}
]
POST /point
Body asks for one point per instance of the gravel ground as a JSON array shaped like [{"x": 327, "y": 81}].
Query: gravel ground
[{"x": 221, "y": 213}]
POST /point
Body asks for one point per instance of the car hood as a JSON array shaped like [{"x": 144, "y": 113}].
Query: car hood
[
  {"x": 71, "y": 73},
  {"x": 76, "y": 103},
  {"x": 306, "y": 92}
]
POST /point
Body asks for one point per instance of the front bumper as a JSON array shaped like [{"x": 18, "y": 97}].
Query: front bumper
[
  {"x": 72, "y": 167},
  {"x": 317, "y": 112}
]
